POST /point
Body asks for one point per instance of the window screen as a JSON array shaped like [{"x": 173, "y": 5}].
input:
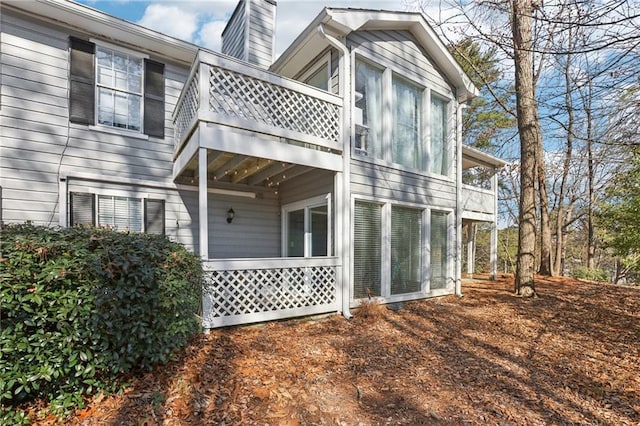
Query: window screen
[
  {"x": 82, "y": 208},
  {"x": 121, "y": 213},
  {"x": 406, "y": 250},
  {"x": 367, "y": 252},
  {"x": 154, "y": 216},
  {"x": 439, "y": 242}
]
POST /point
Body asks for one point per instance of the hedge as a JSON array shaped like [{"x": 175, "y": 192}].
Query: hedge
[{"x": 81, "y": 306}]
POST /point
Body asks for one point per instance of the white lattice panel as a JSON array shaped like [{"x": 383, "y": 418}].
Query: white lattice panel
[
  {"x": 240, "y": 96},
  {"x": 246, "y": 292},
  {"x": 188, "y": 109}
]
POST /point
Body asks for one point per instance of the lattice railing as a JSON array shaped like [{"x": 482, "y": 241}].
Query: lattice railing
[
  {"x": 186, "y": 109},
  {"x": 244, "y": 291},
  {"x": 241, "y": 96}
]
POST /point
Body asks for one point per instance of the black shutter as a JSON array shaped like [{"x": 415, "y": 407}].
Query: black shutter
[
  {"x": 154, "y": 98},
  {"x": 82, "y": 82},
  {"x": 154, "y": 216},
  {"x": 82, "y": 209}
]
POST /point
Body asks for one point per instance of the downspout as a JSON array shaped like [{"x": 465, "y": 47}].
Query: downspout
[
  {"x": 458, "y": 277},
  {"x": 343, "y": 200}
]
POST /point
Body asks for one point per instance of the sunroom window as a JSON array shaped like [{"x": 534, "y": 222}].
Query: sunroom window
[
  {"x": 406, "y": 250},
  {"x": 438, "y": 123},
  {"x": 369, "y": 109},
  {"x": 119, "y": 85},
  {"x": 367, "y": 250},
  {"x": 406, "y": 146},
  {"x": 438, "y": 245}
]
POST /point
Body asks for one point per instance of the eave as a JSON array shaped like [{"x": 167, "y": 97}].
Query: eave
[{"x": 341, "y": 22}]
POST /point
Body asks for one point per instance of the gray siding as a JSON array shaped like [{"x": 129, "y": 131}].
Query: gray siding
[
  {"x": 254, "y": 232},
  {"x": 233, "y": 36},
  {"x": 249, "y": 34},
  {"x": 400, "y": 51},
  {"x": 388, "y": 183},
  {"x": 308, "y": 185},
  {"x": 38, "y": 141}
]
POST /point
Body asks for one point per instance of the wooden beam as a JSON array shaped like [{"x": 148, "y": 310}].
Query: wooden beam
[
  {"x": 252, "y": 169},
  {"x": 269, "y": 172},
  {"x": 288, "y": 174},
  {"x": 227, "y": 168}
]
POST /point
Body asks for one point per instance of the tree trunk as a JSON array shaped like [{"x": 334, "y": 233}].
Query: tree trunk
[
  {"x": 545, "y": 222},
  {"x": 560, "y": 219},
  {"x": 591, "y": 244},
  {"x": 530, "y": 138}
]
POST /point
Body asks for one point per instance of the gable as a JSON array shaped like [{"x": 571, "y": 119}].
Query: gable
[{"x": 400, "y": 51}]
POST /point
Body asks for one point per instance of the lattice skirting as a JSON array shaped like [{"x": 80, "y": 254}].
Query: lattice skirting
[{"x": 253, "y": 295}]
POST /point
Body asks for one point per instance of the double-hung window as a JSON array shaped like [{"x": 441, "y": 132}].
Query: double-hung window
[
  {"x": 115, "y": 88},
  {"x": 119, "y": 85},
  {"x": 118, "y": 212},
  {"x": 406, "y": 147}
]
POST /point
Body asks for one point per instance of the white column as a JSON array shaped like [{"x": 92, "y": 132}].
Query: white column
[
  {"x": 494, "y": 228},
  {"x": 203, "y": 217},
  {"x": 458, "y": 236}
]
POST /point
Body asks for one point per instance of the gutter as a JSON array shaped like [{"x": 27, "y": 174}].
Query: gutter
[{"x": 345, "y": 191}]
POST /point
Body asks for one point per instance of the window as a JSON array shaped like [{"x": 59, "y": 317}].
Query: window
[
  {"x": 406, "y": 250},
  {"x": 121, "y": 213},
  {"x": 116, "y": 88},
  {"x": 395, "y": 255},
  {"x": 119, "y": 82},
  {"x": 439, "y": 243},
  {"x": 369, "y": 104},
  {"x": 319, "y": 78},
  {"x": 367, "y": 250},
  {"x": 438, "y": 123},
  {"x": 391, "y": 116},
  {"x": 307, "y": 228},
  {"x": 406, "y": 147}
]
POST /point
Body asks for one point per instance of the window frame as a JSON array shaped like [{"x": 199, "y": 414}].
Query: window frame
[
  {"x": 307, "y": 205},
  {"x": 325, "y": 60},
  {"x": 389, "y": 71},
  {"x": 99, "y": 44},
  {"x": 144, "y": 199},
  {"x": 386, "y": 236}
]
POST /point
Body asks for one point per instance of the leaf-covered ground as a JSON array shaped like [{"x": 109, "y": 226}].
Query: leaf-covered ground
[{"x": 571, "y": 356}]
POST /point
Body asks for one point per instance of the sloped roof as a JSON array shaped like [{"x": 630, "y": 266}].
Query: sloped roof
[{"x": 342, "y": 21}]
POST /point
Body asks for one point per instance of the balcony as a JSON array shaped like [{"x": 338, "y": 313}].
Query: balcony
[{"x": 245, "y": 115}]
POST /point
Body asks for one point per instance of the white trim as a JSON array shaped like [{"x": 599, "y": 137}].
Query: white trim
[
  {"x": 324, "y": 60},
  {"x": 100, "y": 42},
  {"x": 306, "y": 205},
  {"x": 111, "y": 130}
]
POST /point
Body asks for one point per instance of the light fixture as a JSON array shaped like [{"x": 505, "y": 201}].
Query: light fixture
[{"x": 230, "y": 215}]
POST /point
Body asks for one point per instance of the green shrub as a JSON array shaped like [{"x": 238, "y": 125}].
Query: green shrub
[
  {"x": 82, "y": 305},
  {"x": 595, "y": 274}
]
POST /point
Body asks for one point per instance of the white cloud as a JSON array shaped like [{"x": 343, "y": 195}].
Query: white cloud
[
  {"x": 170, "y": 20},
  {"x": 210, "y": 34}
]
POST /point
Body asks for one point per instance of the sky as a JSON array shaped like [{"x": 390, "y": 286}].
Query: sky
[{"x": 201, "y": 22}]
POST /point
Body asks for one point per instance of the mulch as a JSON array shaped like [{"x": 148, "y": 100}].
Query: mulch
[{"x": 569, "y": 356}]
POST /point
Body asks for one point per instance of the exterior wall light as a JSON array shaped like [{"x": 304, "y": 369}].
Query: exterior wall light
[{"x": 230, "y": 215}]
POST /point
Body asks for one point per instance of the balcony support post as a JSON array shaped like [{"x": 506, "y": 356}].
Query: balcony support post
[
  {"x": 494, "y": 227},
  {"x": 203, "y": 217}
]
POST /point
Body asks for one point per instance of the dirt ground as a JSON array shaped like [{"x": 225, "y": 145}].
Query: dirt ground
[{"x": 570, "y": 356}]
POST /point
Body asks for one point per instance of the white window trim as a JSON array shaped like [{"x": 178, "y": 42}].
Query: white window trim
[
  {"x": 324, "y": 60},
  {"x": 388, "y": 71},
  {"x": 306, "y": 205},
  {"x": 385, "y": 281},
  {"x": 97, "y": 192},
  {"x": 105, "y": 127}
]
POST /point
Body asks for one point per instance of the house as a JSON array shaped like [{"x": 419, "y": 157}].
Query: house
[{"x": 307, "y": 183}]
